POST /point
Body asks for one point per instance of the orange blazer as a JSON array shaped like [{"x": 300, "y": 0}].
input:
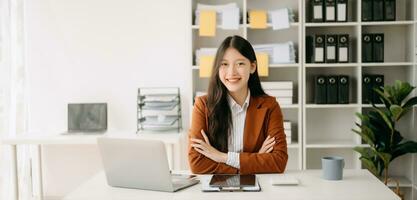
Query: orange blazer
[{"x": 263, "y": 118}]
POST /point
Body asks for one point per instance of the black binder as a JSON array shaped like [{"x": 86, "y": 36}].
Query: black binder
[
  {"x": 319, "y": 50},
  {"x": 389, "y": 11},
  {"x": 343, "y": 49},
  {"x": 343, "y": 91},
  {"x": 367, "y": 88},
  {"x": 367, "y": 9},
  {"x": 342, "y": 10},
  {"x": 331, "y": 48},
  {"x": 378, "y": 47},
  {"x": 332, "y": 86},
  {"x": 330, "y": 14},
  {"x": 317, "y": 11},
  {"x": 367, "y": 55},
  {"x": 378, "y": 82},
  {"x": 320, "y": 90},
  {"x": 378, "y": 10},
  {"x": 309, "y": 49}
]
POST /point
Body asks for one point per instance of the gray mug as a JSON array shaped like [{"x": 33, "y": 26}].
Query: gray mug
[{"x": 332, "y": 167}]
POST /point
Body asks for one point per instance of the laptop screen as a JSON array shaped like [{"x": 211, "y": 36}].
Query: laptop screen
[{"x": 89, "y": 117}]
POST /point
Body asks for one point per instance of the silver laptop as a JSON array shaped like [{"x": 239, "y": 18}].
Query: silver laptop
[{"x": 140, "y": 164}]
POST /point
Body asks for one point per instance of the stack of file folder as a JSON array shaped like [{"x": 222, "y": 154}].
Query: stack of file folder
[
  {"x": 330, "y": 48},
  {"x": 278, "y": 53},
  {"x": 227, "y": 15},
  {"x": 159, "y": 109},
  {"x": 378, "y": 10},
  {"x": 279, "y": 18},
  {"x": 332, "y": 89},
  {"x": 287, "y": 130},
  {"x": 199, "y": 53},
  {"x": 373, "y": 47},
  {"x": 328, "y": 10},
  {"x": 281, "y": 90},
  {"x": 369, "y": 82}
]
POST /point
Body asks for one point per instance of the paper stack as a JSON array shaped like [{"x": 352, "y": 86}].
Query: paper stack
[
  {"x": 279, "y": 19},
  {"x": 287, "y": 130},
  {"x": 227, "y": 15},
  {"x": 204, "y": 52},
  {"x": 282, "y": 90},
  {"x": 278, "y": 53}
]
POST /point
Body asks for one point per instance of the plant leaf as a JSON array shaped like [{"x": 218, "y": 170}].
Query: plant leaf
[
  {"x": 403, "y": 148},
  {"x": 405, "y": 111},
  {"x": 365, "y": 152},
  {"x": 385, "y": 118},
  {"x": 403, "y": 90},
  {"x": 397, "y": 138},
  {"x": 370, "y": 166},
  {"x": 365, "y": 136},
  {"x": 390, "y": 94},
  {"x": 380, "y": 166},
  {"x": 411, "y": 102},
  {"x": 396, "y": 111},
  {"x": 386, "y": 157},
  {"x": 362, "y": 117},
  {"x": 369, "y": 133},
  {"x": 383, "y": 97},
  {"x": 381, "y": 130}
]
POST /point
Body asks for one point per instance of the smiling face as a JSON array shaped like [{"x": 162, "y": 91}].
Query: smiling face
[{"x": 234, "y": 71}]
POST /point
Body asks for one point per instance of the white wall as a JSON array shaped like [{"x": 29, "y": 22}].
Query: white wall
[{"x": 99, "y": 51}]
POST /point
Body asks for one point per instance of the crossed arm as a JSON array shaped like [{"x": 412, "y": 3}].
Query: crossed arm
[{"x": 204, "y": 147}]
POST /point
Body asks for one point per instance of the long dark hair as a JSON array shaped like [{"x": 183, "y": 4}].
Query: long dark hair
[{"x": 220, "y": 118}]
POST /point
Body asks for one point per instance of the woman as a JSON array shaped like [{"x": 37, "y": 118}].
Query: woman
[{"x": 236, "y": 127}]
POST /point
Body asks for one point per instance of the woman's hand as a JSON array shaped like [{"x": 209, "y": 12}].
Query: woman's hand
[
  {"x": 207, "y": 150},
  {"x": 268, "y": 145}
]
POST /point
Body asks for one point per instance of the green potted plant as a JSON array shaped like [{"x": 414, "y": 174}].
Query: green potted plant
[{"x": 378, "y": 129}]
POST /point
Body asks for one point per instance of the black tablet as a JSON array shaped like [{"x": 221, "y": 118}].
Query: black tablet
[{"x": 227, "y": 180}]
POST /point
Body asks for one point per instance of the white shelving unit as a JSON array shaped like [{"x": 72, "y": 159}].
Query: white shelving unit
[{"x": 326, "y": 129}]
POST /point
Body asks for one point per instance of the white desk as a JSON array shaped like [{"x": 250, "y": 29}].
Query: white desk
[
  {"x": 170, "y": 139},
  {"x": 356, "y": 185}
]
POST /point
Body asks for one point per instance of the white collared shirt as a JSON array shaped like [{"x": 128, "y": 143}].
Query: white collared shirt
[{"x": 235, "y": 139}]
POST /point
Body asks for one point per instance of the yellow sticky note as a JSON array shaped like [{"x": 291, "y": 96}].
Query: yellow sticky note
[
  {"x": 206, "y": 65},
  {"x": 207, "y": 23},
  {"x": 257, "y": 19},
  {"x": 263, "y": 64}
]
